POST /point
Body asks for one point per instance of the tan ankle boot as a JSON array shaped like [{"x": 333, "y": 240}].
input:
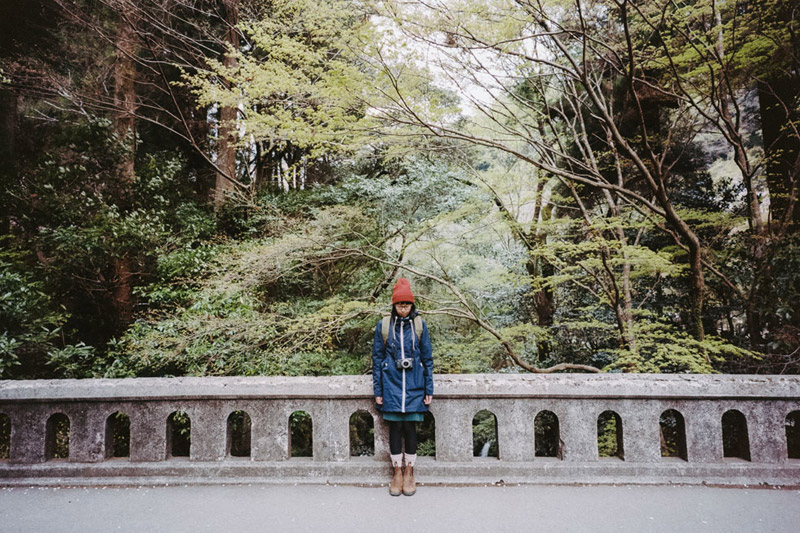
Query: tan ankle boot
[
  {"x": 409, "y": 485},
  {"x": 396, "y": 486}
]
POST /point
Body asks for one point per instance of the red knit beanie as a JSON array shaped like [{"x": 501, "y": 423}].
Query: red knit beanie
[{"x": 402, "y": 292}]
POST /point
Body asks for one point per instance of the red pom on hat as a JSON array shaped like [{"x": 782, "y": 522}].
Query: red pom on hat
[{"x": 402, "y": 291}]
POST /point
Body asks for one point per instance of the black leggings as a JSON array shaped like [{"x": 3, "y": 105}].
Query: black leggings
[{"x": 398, "y": 430}]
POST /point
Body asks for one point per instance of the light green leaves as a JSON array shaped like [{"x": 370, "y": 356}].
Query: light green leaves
[{"x": 296, "y": 79}]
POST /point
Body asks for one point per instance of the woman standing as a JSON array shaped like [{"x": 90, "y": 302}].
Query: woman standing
[{"x": 402, "y": 376}]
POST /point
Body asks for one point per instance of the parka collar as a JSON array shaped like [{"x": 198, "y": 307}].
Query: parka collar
[{"x": 411, "y": 316}]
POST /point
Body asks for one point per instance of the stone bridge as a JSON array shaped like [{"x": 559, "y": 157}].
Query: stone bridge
[{"x": 661, "y": 429}]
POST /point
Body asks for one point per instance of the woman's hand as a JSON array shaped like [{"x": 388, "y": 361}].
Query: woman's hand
[
  {"x": 379, "y": 400},
  {"x": 428, "y": 399}
]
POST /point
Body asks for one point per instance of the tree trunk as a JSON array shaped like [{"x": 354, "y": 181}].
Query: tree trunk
[
  {"x": 697, "y": 284},
  {"x": 8, "y": 135},
  {"x": 200, "y": 130},
  {"x": 779, "y": 105},
  {"x": 543, "y": 298},
  {"x": 226, "y": 133},
  {"x": 777, "y": 100},
  {"x": 696, "y": 292},
  {"x": 125, "y": 99},
  {"x": 543, "y": 302},
  {"x": 629, "y": 333},
  {"x": 124, "y": 127}
]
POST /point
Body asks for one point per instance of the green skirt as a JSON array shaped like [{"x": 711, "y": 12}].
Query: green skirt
[{"x": 403, "y": 417}]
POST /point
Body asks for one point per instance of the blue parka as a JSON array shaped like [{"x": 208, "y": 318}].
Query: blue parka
[{"x": 402, "y": 390}]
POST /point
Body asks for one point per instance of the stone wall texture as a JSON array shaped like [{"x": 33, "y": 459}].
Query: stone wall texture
[{"x": 768, "y": 405}]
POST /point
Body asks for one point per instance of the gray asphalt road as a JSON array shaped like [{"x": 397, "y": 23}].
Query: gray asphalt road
[{"x": 439, "y": 509}]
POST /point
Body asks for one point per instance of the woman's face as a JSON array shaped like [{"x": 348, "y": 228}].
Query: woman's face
[{"x": 402, "y": 308}]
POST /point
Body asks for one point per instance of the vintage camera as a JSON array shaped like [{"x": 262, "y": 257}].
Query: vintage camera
[{"x": 404, "y": 364}]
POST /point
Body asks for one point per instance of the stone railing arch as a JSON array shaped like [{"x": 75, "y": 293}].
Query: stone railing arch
[{"x": 576, "y": 400}]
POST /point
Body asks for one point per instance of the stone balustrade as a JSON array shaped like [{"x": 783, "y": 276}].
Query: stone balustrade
[{"x": 759, "y": 448}]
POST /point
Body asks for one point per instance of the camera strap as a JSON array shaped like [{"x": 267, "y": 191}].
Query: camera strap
[{"x": 388, "y": 326}]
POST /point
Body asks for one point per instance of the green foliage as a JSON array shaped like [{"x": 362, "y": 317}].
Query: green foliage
[
  {"x": 240, "y": 434},
  {"x": 5, "y": 436},
  {"x": 426, "y": 448},
  {"x": 120, "y": 426},
  {"x": 25, "y": 312},
  {"x": 281, "y": 283},
  {"x": 31, "y": 333},
  {"x": 300, "y": 303},
  {"x": 484, "y": 431},
  {"x": 546, "y": 435},
  {"x": 248, "y": 315},
  {"x": 180, "y": 434},
  {"x": 362, "y": 434},
  {"x": 412, "y": 190},
  {"x": 175, "y": 276},
  {"x": 298, "y": 75},
  {"x": 70, "y": 213},
  {"x": 755, "y": 38},
  {"x": 73, "y": 361},
  {"x": 426, "y": 436},
  {"x": 608, "y": 444},
  {"x": 460, "y": 355},
  {"x": 58, "y": 433},
  {"x": 301, "y": 434},
  {"x": 662, "y": 349},
  {"x": 592, "y": 264},
  {"x": 673, "y": 434},
  {"x": 8, "y": 349}
]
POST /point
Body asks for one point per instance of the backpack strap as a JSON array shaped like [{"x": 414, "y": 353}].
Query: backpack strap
[
  {"x": 418, "y": 326},
  {"x": 386, "y": 322}
]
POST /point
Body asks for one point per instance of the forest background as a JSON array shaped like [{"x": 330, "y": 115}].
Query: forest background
[{"x": 231, "y": 187}]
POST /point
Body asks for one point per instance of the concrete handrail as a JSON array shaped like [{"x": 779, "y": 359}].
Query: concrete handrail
[
  {"x": 689, "y": 386},
  {"x": 764, "y": 405}
]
